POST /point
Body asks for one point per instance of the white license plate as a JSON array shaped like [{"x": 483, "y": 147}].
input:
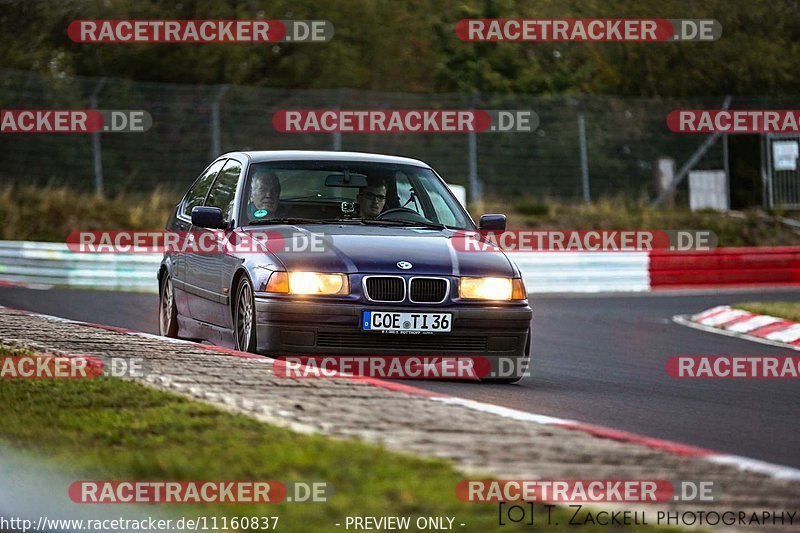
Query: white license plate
[{"x": 406, "y": 322}]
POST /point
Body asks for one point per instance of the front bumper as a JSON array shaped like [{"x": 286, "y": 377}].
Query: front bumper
[{"x": 286, "y": 327}]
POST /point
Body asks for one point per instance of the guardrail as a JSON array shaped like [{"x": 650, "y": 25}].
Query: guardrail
[
  {"x": 53, "y": 265},
  {"x": 44, "y": 264},
  {"x": 769, "y": 266},
  {"x": 583, "y": 271},
  {"x": 40, "y": 264}
]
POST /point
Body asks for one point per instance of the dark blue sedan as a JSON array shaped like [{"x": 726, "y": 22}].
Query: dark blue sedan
[{"x": 366, "y": 264}]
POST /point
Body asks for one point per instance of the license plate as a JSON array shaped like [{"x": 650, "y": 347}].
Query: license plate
[{"x": 406, "y": 322}]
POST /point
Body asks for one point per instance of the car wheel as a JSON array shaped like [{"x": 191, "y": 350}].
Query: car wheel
[
  {"x": 244, "y": 317},
  {"x": 167, "y": 312}
]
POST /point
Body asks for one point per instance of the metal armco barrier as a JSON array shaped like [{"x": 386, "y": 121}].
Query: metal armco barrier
[
  {"x": 40, "y": 264},
  {"x": 778, "y": 265},
  {"x": 44, "y": 264},
  {"x": 583, "y": 271}
]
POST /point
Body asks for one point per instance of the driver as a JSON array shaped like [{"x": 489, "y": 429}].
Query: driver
[
  {"x": 372, "y": 198},
  {"x": 265, "y": 193}
]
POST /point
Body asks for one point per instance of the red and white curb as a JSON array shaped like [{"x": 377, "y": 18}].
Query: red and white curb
[
  {"x": 742, "y": 463},
  {"x": 765, "y": 329}
]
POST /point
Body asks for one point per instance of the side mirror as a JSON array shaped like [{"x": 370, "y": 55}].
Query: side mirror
[
  {"x": 207, "y": 217},
  {"x": 492, "y": 222}
]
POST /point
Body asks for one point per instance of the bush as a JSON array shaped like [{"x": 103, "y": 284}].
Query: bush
[{"x": 51, "y": 213}]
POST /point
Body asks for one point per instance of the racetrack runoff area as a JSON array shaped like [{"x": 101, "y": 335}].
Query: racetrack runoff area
[{"x": 478, "y": 438}]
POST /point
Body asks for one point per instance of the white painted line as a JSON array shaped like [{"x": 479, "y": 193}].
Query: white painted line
[
  {"x": 505, "y": 412},
  {"x": 743, "y": 463},
  {"x": 160, "y": 338},
  {"x": 754, "y": 465}
]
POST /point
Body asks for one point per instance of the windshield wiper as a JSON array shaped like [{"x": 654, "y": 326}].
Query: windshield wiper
[
  {"x": 365, "y": 221},
  {"x": 402, "y": 223},
  {"x": 265, "y": 221}
]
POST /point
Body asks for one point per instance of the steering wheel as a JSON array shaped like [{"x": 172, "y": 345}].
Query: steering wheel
[{"x": 404, "y": 214}]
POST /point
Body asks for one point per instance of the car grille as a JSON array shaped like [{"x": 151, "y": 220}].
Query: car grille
[
  {"x": 385, "y": 289},
  {"x": 437, "y": 343},
  {"x": 428, "y": 290}
]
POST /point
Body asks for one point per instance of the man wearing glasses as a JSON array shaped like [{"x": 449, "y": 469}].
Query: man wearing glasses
[{"x": 372, "y": 198}]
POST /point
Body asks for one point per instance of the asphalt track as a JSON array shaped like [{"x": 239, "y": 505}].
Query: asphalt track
[{"x": 597, "y": 359}]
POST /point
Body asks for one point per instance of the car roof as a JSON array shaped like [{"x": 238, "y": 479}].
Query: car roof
[{"x": 327, "y": 155}]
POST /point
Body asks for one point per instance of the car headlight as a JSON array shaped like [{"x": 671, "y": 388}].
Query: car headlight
[
  {"x": 308, "y": 283},
  {"x": 492, "y": 289}
]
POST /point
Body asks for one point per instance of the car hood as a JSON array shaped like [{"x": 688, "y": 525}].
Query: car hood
[{"x": 377, "y": 250}]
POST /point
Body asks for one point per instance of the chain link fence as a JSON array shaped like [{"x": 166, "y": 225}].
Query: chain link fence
[{"x": 191, "y": 124}]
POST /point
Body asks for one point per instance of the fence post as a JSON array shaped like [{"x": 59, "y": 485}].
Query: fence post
[
  {"x": 216, "y": 142},
  {"x": 337, "y": 135},
  {"x": 97, "y": 154},
  {"x": 726, "y": 166},
  {"x": 584, "y": 159},
  {"x": 475, "y": 195}
]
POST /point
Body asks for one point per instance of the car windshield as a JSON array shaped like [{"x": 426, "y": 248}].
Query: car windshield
[{"x": 338, "y": 191}]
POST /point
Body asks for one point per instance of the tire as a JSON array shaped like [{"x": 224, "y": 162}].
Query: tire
[
  {"x": 244, "y": 317},
  {"x": 167, "y": 311}
]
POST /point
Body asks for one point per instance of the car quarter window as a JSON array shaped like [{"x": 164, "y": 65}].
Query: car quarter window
[
  {"x": 224, "y": 189},
  {"x": 197, "y": 194}
]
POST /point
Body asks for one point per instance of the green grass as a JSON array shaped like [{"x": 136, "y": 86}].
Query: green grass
[
  {"x": 787, "y": 310},
  {"x": 113, "y": 429}
]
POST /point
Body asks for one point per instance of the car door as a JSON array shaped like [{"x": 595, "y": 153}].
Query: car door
[
  {"x": 205, "y": 270},
  {"x": 183, "y": 223}
]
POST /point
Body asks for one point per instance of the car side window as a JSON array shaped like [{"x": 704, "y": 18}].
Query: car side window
[
  {"x": 224, "y": 189},
  {"x": 198, "y": 192}
]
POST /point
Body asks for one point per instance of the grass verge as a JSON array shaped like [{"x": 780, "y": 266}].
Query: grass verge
[
  {"x": 787, "y": 310},
  {"x": 108, "y": 428}
]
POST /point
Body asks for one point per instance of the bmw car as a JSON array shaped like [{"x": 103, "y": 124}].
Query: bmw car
[{"x": 368, "y": 263}]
